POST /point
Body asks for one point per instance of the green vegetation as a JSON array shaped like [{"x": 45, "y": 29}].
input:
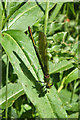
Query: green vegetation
[{"x": 22, "y": 93}]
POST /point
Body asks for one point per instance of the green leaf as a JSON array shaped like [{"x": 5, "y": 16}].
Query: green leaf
[
  {"x": 58, "y": 1},
  {"x": 59, "y": 37},
  {"x": 15, "y": 7},
  {"x": 69, "y": 78},
  {"x": 65, "y": 96},
  {"x": 1, "y": 111},
  {"x": 72, "y": 107},
  {"x": 26, "y": 15},
  {"x": 71, "y": 5},
  {"x": 21, "y": 53},
  {"x": 0, "y": 37},
  {"x": 0, "y": 15},
  {"x": 25, "y": 45},
  {"x": 70, "y": 39},
  {"x": 55, "y": 12},
  {"x": 72, "y": 76},
  {"x": 54, "y": 27},
  {"x": 74, "y": 115},
  {"x": 17, "y": 52},
  {"x": 4, "y": 58},
  {"x": 56, "y": 103},
  {"x": 74, "y": 48},
  {"x": 13, "y": 113},
  {"x": 59, "y": 67},
  {"x": 14, "y": 91},
  {"x": 55, "y": 48}
]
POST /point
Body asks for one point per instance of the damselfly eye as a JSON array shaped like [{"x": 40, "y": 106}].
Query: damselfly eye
[{"x": 46, "y": 76}]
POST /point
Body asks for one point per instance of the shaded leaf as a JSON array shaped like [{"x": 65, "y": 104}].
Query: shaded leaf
[
  {"x": 20, "y": 56},
  {"x": 56, "y": 11},
  {"x": 25, "y": 71},
  {"x": 56, "y": 103},
  {"x": 59, "y": 67},
  {"x": 66, "y": 97},
  {"x": 14, "y": 91},
  {"x": 72, "y": 76},
  {"x": 74, "y": 115}
]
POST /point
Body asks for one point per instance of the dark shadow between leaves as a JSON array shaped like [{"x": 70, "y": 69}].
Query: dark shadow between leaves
[
  {"x": 40, "y": 6},
  {"x": 29, "y": 75}
]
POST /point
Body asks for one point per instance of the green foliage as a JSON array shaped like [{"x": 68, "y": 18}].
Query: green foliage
[
  {"x": 54, "y": 14},
  {"x": 14, "y": 91},
  {"x": 0, "y": 15},
  {"x": 27, "y": 95},
  {"x": 25, "y": 71}
]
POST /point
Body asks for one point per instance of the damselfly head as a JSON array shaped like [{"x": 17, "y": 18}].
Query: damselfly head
[{"x": 49, "y": 85}]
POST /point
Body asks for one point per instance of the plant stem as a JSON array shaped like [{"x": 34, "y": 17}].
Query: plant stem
[
  {"x": 7, "y": 87},
  {"x": 46, "y": 16},
  {"x": 62, "y": 85},
  {"x": 7, "y": 68},
  {"x": 73, "y": 92}
]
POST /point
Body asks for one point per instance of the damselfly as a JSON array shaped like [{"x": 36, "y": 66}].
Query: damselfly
[{"x": 43, "y": 59}]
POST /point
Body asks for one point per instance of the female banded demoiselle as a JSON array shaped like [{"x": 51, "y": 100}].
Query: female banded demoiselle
[{"x": 43, "y": 58}]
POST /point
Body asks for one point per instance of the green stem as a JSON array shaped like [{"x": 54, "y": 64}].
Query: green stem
[
  {"x": 62, "y": 85},
  {"x": 7, "y": 87},
  {"x": 73, "y": 92},
  {"x": 46, "y": 16},
  {"x": 7, "y": 68}
]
